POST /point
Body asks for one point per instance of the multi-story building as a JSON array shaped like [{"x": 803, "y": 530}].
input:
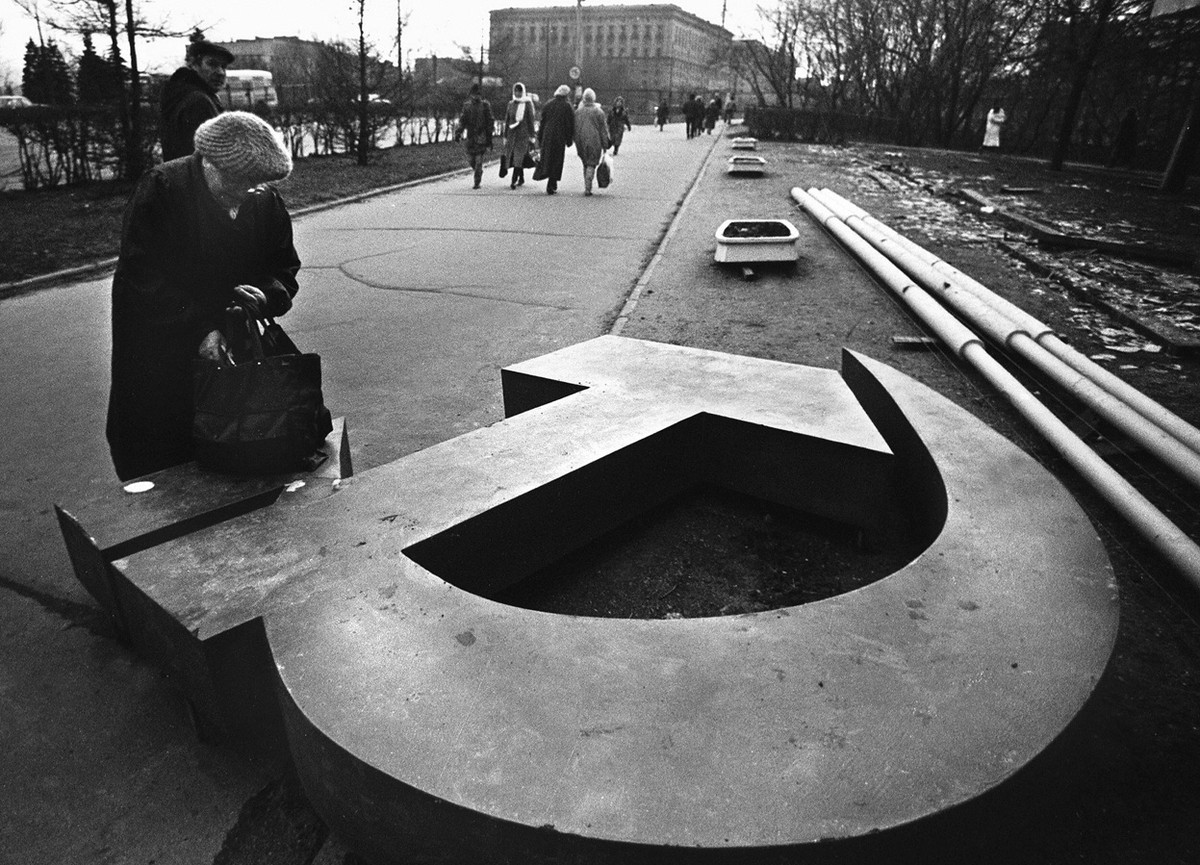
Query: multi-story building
[{"x": 645, "y": 53}]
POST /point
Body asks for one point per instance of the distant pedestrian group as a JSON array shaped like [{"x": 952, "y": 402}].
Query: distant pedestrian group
[
  {"x": 701, "y": 117},
  {"x": 540, "y": 138}
]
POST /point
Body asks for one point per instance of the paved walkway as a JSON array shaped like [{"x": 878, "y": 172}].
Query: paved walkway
[{"x": 415, "y": 299}]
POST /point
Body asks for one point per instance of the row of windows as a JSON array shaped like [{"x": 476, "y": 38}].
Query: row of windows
[{"x": 591, "y": 33}]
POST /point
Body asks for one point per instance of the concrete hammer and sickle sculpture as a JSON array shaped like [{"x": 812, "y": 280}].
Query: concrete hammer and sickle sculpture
[{"x": 428, "y": 721}]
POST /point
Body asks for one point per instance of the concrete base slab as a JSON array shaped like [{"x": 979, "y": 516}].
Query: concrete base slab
[
  {"x": 756, "y": 240},
  {"x": 751, "y": 166}
]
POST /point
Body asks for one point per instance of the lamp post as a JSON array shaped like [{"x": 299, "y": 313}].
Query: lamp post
[
  {"x": 579, "y": 33},
  {"x": 579, "y": 42}
]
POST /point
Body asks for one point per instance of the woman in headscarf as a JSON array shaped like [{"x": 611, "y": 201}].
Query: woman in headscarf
[
  {"x": 518, "y": 132},
  {"x": 591, "y": 136},
  {"x": 618, "y": 122},
  {"x": 555, "y": 134}
]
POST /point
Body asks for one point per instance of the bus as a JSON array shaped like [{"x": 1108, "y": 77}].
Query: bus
[{"x": 246, "y": 88}]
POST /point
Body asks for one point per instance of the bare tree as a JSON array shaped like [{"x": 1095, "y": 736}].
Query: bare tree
[
  {"x": 1099, "y": 16},
  {"x": 119, "y": 21}
]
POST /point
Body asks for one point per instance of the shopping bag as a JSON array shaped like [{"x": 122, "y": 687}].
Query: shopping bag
[
  {"x": 262, "y": 412},
  {"x": 503, "y": 165},
  {"x": 603, "y": 173}
]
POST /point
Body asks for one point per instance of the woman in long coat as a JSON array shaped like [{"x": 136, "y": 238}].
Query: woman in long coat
[
  {"x": 518, "y": 132},
  {"x": 196, "y": 239},
  {"x": 618, "y": 122},
  {"x": 591, "y": 136},
  {"x": 555, "y": 134},
  {"x": 991, "y": 135}
]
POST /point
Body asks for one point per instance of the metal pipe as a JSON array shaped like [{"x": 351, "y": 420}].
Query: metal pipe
[
  {"x": 997, "y": 324},
  {"x": 1152, "y": 410},
  {"x": 1165, "y": 536}
]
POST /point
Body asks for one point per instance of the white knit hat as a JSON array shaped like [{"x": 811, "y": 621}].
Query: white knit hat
[{"x": 245, "y": 145}]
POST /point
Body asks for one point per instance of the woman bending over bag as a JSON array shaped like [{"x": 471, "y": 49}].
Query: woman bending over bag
[{"x": 200, "y": 233}]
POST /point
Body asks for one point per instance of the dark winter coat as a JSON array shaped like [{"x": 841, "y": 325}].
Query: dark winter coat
[
  {"x": 187, "y": 101},
  {"x": 555, "y": 134},
  {"x": 181, "y": 257},
  {"x": 618, "y": 122},
  {"x": 477, "y": 125},
  {"x": 517, "y": 136},
  {"x": 712, "y": 113}
]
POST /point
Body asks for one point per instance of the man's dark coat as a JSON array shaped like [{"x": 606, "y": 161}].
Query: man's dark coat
[{"x": 187, "y": 101}]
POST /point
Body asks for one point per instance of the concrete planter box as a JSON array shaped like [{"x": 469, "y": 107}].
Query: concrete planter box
[
  {"x": 745, "y": 144},
  {"x": 749, "y": 240},
  {"x": 750, "y": 165}
]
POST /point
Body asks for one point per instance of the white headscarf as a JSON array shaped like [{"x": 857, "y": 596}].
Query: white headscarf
[{"x": 521, "y": 101}]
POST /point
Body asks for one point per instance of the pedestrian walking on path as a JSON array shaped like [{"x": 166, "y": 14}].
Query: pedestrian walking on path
[
  {"x": 693, "y": 113},
  {"x": 201, "y": 233},
  {"x": 519, "y": 129},
  {"x": 591, "y": 136},
  {"x": 618, "y": 122},
  {"x": 477, "y": 127},
  {"x": 555, "y": 134},
  {"x": 712, "y": 113},
  {"x": 661, "y": 114}
]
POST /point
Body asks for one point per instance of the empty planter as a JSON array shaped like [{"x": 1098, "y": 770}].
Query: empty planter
[
  {"x": 749, "y": 240},
  {"x": 745, "y": 144},
  {"x": 754, "y": 165}
]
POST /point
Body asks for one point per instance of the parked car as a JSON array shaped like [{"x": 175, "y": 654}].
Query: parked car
[{"x": 15, "y": 102}]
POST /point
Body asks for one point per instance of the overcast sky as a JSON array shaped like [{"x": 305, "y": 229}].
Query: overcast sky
[{"x": 433, "y": 25}]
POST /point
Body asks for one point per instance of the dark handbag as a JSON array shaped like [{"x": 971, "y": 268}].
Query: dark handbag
[
  {"x": 503, "y": 165},
  {"x": 603, "y": 173},
  {"x": 530, "y": 160},
  {"x": 540, "y": 172},
  {"x": 262, "y": 412}
]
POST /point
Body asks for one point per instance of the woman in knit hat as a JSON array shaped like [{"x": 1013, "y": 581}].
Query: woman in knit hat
[
  {"x": 591, "y": 136},
  {"x": 200, "y": 234}
]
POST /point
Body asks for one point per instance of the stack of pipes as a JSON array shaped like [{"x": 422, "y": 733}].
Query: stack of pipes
[{"x": 917, "y": 276}]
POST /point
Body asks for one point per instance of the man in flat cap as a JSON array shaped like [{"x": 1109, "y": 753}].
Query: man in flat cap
[
  {"x": 200, "y": 234},
  {"x": 190, "y": 96}
]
